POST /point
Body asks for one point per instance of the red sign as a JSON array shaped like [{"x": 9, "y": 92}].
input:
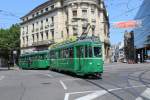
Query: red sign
[{"x": 127, "y": 24}]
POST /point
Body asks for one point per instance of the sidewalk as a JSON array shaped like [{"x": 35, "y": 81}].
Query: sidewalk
[
  {"x": 6, "y": 68},
  {"x": 126, "y": 64}
]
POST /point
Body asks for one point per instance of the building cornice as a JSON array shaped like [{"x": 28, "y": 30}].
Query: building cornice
[
  {"x": 46, "y": 13},
  {"x": 40, "y": 7}
]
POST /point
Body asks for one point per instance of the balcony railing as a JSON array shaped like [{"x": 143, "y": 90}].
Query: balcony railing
[
  {"x": 47, "y": 26},
  {"x": 45, "y": 42},
  {"x": 52, "y": 24}
]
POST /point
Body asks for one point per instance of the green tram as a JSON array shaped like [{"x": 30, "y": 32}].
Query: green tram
[
  {"x": 38, "y": 60},
  {"x": 82, "y": 57}
]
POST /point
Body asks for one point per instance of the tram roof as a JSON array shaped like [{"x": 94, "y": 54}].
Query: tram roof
[
  {"x": 35, "y": 53},
  {"x": 76, "y": 43}
]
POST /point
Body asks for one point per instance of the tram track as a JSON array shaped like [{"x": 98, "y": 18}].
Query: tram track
[
  {"x": 140, "y": 79},
  {"x": 100, "y": 86},
  {"x": 134, "y": 92}
]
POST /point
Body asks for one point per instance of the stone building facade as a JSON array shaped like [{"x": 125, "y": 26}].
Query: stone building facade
[{"x": 57, "y": 20}]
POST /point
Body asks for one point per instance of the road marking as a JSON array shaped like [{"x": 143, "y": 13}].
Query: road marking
[
  {"x": 72, "y": 79},
  {"x": 49, "y": 75},
  {"x": 2, "y": 77},
  {"x": 63, "y": 84},
  {"x": 96, "y": 94},
  {"x": 66, "y": 96},
  {"x": 92, "y": 95},
  {"x": 146, "y": 93},
  {"x": 139, "y": 98}
]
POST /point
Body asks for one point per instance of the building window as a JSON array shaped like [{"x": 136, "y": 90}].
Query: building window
[
  {"x": 27, "y": 39},
  {"x": 92, "y": 7},
  {"x": 33, "y": 27},
  {"x": 47, "y": 34},
  {"x": 52, "y": 31},
  {"x": 52, "y": 6},
  {"x": 75, "y": 31},
  {"x": 62, "y": 34},
  {"x": 67, "y": 32},
  {"x": 46, "y": 9},
  {"x": 33, "y": 37},
  {"x": 23, "y": 40},
  {"x": 52, "y": 18},
  {"x": 84, "y": 13},
  {"x": 84, "y": 29},
  {"x": 37, "y": 23},
  {"x": 32, "y": 15},
  {"x": 41, "y": 11},
  {"x": 27, "y": 29},
  {"x": 92, "y": 12},
  {"x": 41, "y": 21},
  {"x": 93, "y": 30},
  {"x": 46, "y": 19},
  {"x": 23, "y": 30},
  {"x": 41, "y": 24},
  {"x": 74, "y": 12},
  {"x": 37, "y": 13},
  {"x": 41, "y": 35}
]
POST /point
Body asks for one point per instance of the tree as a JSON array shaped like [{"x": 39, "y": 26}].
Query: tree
[{"x": 9, "y": 40}]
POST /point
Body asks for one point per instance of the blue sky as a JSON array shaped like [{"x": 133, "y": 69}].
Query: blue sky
[{"x": 119, "y": 10}]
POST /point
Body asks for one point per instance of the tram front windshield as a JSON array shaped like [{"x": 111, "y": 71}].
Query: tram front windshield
[{"x": 97, "y": 51}]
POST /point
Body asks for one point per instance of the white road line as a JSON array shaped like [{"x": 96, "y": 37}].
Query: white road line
[
  {"x": 92, "y": 95},
  {"x": 96, "y": 94},
  {"x": 66, "y": 96},
  {"x": 139, "y": 98},
  {"x": 2, "y": 77},
  {"x": 63, "y": 84},
  {"x": 72, "y": 79},
  {"x": 49, "y": 75},
  {"x": 146, "y": 93}
]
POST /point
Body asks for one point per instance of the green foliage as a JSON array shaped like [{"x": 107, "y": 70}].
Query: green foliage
[{"x": 9, "y": 39}]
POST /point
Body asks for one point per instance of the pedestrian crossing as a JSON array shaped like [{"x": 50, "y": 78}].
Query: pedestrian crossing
[{"x": 145, "y": 94}]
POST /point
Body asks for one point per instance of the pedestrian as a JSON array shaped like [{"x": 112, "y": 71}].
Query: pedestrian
[{"x": 8, "y": 64}]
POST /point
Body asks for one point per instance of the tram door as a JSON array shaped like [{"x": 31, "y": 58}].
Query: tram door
[{"x": 80, "y": 56}]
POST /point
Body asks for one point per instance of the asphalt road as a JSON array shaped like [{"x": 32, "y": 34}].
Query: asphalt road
[{"x": 120, "y": 82}]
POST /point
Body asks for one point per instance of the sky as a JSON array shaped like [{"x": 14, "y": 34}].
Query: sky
[{"x": 118, "y": 10}]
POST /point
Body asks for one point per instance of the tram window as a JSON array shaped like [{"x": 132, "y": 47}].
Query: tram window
[
  {"x": 66, "y": 53},
  {"x": 97, "y": 52},
  {"x": 41, "y": 57},
  {"x": 46, "y": 56},
  {"x": 90, "y": 51},
  {"x": 71, "y": 52},
  {"x": 52, "y": 54},
  {"x": 80, "y": 52},
  {"x": 86, "y": 51},
  {"x": 58, "y": 54},
  {"x": 61, "y": 54}
]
